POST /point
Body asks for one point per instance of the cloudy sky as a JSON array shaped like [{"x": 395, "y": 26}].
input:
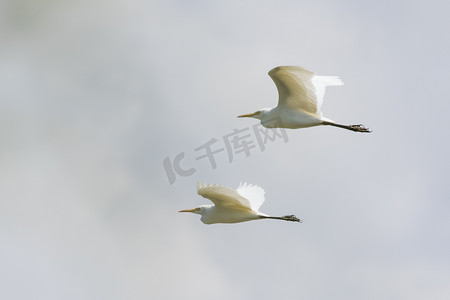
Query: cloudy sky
[{"x": 95, "y": 96}]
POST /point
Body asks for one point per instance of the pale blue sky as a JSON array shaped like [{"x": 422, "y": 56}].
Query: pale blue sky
[{"x": 94, "y": 95}]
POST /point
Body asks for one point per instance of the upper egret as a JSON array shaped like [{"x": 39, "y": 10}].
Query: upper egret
[
  {"x": 232, "y": 206},
  {"x": 300, "y": 98}
]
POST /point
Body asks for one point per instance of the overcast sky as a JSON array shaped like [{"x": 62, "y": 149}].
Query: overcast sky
[{"x": 95, "y": 96}]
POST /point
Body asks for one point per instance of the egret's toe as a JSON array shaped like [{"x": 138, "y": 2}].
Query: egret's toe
[
  {"x": 292, "y": 218},
  {"x": 359, "y": 128}
]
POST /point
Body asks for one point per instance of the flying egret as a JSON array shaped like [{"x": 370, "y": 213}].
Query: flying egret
[
  {"x": 300, "y": 98},
  {"x": 232, "y": 206}
]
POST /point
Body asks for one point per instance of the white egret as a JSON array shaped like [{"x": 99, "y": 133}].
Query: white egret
[
  {"x": 300, "y": 98},
  {"x": 232, "y": 206}
]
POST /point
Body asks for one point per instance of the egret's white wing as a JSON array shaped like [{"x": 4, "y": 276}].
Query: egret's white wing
[
  {"x": 295, "y": 88},
  {"x": 223, "y": 196},
  {"x": 253, "y": 193},
  {"x": 320, "y": 83}
]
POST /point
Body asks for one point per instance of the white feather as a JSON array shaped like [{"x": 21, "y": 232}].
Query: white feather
[
  {"x": 223, "y": 196},
  {"x": 253, "y": 193},
  {"x": 320, "y": 83}
]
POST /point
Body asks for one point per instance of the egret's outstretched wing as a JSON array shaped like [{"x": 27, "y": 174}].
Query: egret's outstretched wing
[
  {"x": 223, "y": 196},
  {"x": 295, "y": 88},
  {"x": 253, "y": 193},
  {"x": 298, "y": 88}
]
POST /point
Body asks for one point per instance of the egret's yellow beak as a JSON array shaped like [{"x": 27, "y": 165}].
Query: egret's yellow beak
[
  {"x": 247, "y": 115},
  {"x": 188, "y": 210}
]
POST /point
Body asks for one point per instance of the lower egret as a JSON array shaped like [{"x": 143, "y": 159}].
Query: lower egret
[
  {"x": 233, "y": 206},
  {"x": 300, "y": 98}
]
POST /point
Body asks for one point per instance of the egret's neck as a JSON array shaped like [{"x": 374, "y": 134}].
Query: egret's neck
[{"x": 270, "y": 117}]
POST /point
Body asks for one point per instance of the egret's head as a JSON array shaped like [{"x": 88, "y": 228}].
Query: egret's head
[
  {"x": 198, "y": 210},
  {"x": 260, "y": 114}
]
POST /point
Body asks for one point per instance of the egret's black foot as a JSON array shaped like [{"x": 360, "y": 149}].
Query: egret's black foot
[
  {"x": 291, "y": 218},
  {"x": 356, "y": 128},
  {"x": 359, "y": 128}
]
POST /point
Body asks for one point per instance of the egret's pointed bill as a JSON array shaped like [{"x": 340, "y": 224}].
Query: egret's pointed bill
[
  {"x": 189, "y": 210},
  {"x": 249, "y": 115}
]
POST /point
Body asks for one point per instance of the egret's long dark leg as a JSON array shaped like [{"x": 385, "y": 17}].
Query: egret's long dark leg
[
  {"x": 291, "y": 218},
  {"x": 357, "y": 128}
]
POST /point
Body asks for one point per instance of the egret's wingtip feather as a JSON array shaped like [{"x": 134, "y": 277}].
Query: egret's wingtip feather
[
  {"x": 289, "y": 68},
  {"x": 328, "y": 80},
  {"x": 242, "y": 185},
  {"x": 253, "y": 193},
  {"x": 200, "y": 185}
]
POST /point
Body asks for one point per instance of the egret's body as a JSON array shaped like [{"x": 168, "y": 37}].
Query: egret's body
[
  {"x": 300, "y": 99},
  {"x": 232, "y": 206}
]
